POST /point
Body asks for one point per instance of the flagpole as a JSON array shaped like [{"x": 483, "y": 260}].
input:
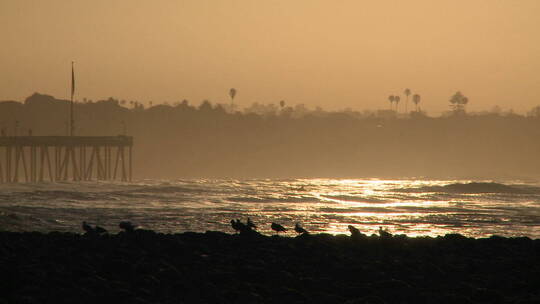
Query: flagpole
[{"x": 72, "y": 121}]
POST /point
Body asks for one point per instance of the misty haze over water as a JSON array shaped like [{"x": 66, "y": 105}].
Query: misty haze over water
[{"x": 182, "y": 140}]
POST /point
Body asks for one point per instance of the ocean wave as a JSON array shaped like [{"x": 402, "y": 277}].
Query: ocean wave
[
  {"x": 106, "y": 194},
  {"x": 9, "y": 215},
  {"x": 55, "y": 194},
  {"x": 380, "y": 210},
  {"x": 475, "y": 187},
  {"x": 160, "y": 189},
  {"x": 357, "y": 199},
  {"x": 475, "y": 208},
  {"x": 270, "y": 199}
]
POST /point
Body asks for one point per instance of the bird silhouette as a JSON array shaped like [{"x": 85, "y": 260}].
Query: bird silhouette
[
  {"x": 100, "y": 230},
  {"x": 299, "y": 229},
  {"x": 250, "y": 224},
  {"x": 277, "y": 228},
  {"x": 244, "y": 229},
  {"x": 127, "y": 226},
  {"x": 354, "y": 231},
  {"x": 234, "y": 226},
  {"x": 383, "y": 233},
  {"x": 87, "y": 228},
  {"x": 237, "y": 225}
]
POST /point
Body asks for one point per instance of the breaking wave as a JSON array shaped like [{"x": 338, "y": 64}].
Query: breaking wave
[{"x": 475, "y": 187}]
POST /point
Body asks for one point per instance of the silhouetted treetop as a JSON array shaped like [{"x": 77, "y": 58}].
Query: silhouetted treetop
[{"x": 458, "y": 101}]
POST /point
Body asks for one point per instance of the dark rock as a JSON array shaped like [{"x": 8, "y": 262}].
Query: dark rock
[{"x": 213, "y": 267}]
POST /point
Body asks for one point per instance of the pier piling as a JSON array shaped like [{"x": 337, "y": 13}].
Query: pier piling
[{"x": 28, "y": 158}]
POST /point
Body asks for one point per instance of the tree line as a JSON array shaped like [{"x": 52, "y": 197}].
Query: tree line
[{"x": 182, "y": 140}]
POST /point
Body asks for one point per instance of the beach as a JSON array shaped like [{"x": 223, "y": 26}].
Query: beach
[{"x": 215, "y": 267}]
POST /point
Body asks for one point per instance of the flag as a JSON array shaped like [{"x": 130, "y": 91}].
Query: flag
[{"x": 72, "y": 81}]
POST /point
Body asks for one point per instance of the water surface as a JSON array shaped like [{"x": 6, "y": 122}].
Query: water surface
[{"x": 412, "y": 207}]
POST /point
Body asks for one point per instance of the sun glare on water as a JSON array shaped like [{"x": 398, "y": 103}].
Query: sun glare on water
[{"x": 411, "y": 207}]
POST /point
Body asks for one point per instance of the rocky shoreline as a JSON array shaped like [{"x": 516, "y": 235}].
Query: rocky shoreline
[{"x": 215, "y": 267}]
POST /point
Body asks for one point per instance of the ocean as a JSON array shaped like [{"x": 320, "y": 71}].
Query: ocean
[{"x": 411, "y": 207}]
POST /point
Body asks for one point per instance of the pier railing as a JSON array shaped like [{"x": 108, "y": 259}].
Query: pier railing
[{"x": 63, "y": 158}]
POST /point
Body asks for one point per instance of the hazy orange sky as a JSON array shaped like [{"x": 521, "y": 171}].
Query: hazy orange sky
[{"x": 334, "y": 54}]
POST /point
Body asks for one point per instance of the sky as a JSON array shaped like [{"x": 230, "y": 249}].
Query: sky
[{"x": 334, "y": 54}]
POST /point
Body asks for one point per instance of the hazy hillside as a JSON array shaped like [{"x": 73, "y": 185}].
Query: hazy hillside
[{"x": 205, "y": 141}]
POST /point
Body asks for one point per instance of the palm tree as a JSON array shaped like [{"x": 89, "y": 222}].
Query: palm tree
[
  {"x": 391, "y": 99},
  {"x": 458, "y": 102},
  {"x": 232, "y": 93},
  {"x": 396, "y": 99},
  {"x": 416, "y": 100},
  {"x": 407, "y": 92}
]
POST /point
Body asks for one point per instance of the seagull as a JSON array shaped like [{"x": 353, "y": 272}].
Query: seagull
[
  {"x": 244, "y": 229},
  {"x": 354, "y": 231},
  {"x": 277, "y": 228},
  {"x": 86, "y": 227},
  {"x": 100, "y": 230},
  {"x": 250, "y": 225},
  {"x": 236, "y": 225},
  {"x": 127, "y": 226},
  {"x": 299, "y": 229},
  {"x": 384, "y": 233}
]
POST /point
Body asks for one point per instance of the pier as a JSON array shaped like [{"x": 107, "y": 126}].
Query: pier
[{"x": 65, "y": 158}]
